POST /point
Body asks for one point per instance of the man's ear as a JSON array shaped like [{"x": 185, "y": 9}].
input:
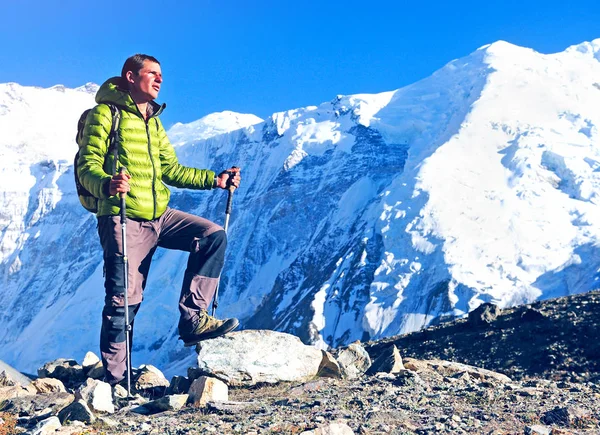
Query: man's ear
[{"x": 129, "y": 75}]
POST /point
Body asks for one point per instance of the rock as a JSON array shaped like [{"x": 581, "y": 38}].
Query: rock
[
  {"x": 79, "y": 411},
  {"x": 66, "y": 370},
  {"x": 484, "y": 314},
  {"x": 329, "y": 367},
  {"x": 232, "y": 408},
  {"x": 90, "y": 360},
  {"x": 179, "y": 385},
  {"x": 205, "y": 389},
  {"x": 353, "y": 360},
  {"x": 309, "y": 387},
  {"x": 47, "y": 426},
  {"x": 167, "y": 403},
  {"x": 408, "y": 378},
  {"x": 330, "y": 429},
  {"x": 448, "y": 368},
  {"x": 107, "y": 421},
  {"x": 532, "y": 315},
  {"x": 9, "y": 376},
  {"x": 48, "y": 385},
  {"x": 97, "y": 394},
  {"x": 14, "y": 391},
  {"x": 33, "y": 406},
  {"x": 249, "y": 357},
  {"x": 537, "y": 429},
  {"x": 388, "y": 361},
  {"x": 569, "y": 416},
  {"x": 96, "y": 371},
  {"x": 119, "y": 392},
  {"x": 150, "y": 381}
]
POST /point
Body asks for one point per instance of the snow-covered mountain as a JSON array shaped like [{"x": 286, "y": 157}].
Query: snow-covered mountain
[{"x": 363, "y": 217}]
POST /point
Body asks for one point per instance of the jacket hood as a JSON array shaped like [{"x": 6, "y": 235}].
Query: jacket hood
[{"x": 111, "y": 91}]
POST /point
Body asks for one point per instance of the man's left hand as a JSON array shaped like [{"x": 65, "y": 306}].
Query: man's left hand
[{"x": 230, "y": 177}]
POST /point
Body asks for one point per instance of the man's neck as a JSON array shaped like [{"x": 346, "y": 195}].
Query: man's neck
[{"x": 143, "y": 108}]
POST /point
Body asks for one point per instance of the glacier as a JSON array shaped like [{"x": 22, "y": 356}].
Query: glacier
[{"x": 366, "y": 216}]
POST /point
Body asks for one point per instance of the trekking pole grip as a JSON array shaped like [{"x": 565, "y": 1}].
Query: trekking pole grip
[{"x": 123, "y": 195}]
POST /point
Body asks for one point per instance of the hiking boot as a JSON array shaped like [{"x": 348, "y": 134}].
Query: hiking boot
[{"x": 209, "y": 327}]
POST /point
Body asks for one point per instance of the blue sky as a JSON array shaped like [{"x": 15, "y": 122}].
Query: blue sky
[{"x": 262, "y": 56}]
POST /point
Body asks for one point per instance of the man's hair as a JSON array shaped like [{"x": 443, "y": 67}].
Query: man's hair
[{"x": 135, "y": 64}]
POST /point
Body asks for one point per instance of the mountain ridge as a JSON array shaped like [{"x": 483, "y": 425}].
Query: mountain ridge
[{"x": 366, "y": 216}]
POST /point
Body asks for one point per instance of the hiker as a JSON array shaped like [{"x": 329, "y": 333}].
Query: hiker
[{"x": 149, "y": 161}]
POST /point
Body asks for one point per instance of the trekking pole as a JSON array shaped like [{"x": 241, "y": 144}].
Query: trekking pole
[
  {"x": 127, "y": 326},
  {"x": 230, "y": 189}
]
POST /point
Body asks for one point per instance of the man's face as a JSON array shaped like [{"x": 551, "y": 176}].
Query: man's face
[{"x": 145, "y": 86}]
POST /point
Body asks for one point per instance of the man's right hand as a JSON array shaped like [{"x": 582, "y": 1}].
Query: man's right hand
[{"x": 119, "y": 183}]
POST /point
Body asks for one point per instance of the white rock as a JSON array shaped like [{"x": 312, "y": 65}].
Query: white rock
[
  {"x": 248, "y": 357},
  {"x": 47, "y": 426},
  {"x": 97, "y": 394},
  {"x": 330, "y": 429},
  {"x": 90, "y": 360}
]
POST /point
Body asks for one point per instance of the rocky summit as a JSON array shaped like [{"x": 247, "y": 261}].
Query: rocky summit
[{"x": 526, "y": 370}]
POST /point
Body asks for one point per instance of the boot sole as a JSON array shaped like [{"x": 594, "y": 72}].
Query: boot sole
[{"x": 213, "y": 334}]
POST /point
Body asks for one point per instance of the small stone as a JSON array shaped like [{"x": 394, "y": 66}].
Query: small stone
[
  {"x": 389, "y": 361},
  {"x": 89, "y": 361},
  {"x": 48, "y": 385},
  {"x": 167, "y": 403},
  {"x": 119, "y": 392},
  {"x": 330, "y": 429},
  {"x": 67, "y": 370},
  {"x": 329, "y": 367},
  {"x": 78, "y": 410},
  {"x": 179, "y": 385},
  {"x": 108, "y": 421},
  {"x": 97, "y": 394},
  {"x": 484, "y": 314},
  {"x": 532, "y": 315},
  {"x": 47, "y": 426},
  {"x": 205, "y": 389},
  {"x": 151, "y": 381},
  {"x": 96, "y": 371},
  {"x": 354, "y": 361},
  {"x": 537, "y": 429},
  {"x": 566, "y": 416}
]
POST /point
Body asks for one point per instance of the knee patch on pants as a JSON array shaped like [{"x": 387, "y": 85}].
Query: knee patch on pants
[
  {"x": 207, "y": 255},
  {"x": 114, "y": 277},
  {"x": 113, "y": 323}
]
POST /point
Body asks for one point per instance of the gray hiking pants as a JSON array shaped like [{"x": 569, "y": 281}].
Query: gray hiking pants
[{"x": 204, "y": 240}]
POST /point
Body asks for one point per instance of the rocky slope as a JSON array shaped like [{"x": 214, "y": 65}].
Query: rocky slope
[{"x": 426, "y": 396}]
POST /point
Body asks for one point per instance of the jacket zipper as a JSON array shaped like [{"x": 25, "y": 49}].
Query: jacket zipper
[{"x": 153, "y": 170}]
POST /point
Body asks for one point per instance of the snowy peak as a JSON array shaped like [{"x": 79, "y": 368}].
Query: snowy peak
[
  {"x": 211, "y": 125},
  {"x": 40, "y": 123}
]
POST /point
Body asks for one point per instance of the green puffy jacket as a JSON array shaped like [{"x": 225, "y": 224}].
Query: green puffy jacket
[{"x": 143, "y": 149}]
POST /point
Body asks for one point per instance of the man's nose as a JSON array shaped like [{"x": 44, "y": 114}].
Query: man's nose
[{"x": 159, "y": 78}]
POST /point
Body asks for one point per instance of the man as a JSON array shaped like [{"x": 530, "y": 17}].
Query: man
[{"x": 150, "y": 161}]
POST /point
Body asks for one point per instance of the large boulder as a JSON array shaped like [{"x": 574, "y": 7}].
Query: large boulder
[{"x": 249, "y": 357}]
